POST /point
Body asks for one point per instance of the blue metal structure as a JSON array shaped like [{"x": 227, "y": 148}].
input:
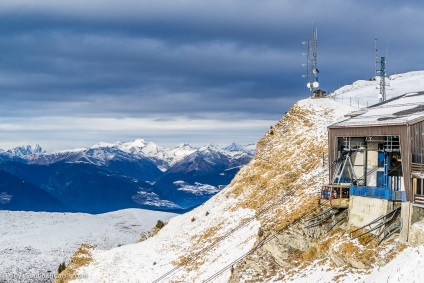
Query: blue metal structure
[{"x": 377, "y": 192}]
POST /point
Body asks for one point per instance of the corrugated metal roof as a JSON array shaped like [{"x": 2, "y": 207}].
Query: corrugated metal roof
[{"x": 402, "y": 109}]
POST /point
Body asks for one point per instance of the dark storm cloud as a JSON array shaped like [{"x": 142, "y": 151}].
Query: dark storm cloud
[
  {"x": 70, "y": 66},
  {"x": 162, "y": 60}
]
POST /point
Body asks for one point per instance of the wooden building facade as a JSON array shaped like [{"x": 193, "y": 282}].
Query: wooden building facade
[{"x": 388, "y": 141}]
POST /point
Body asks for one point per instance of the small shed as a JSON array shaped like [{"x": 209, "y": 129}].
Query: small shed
[{"x": 319, "y": 93}]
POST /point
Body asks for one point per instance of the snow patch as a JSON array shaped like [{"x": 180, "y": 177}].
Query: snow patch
[
  {"x": 406, "y": 267},
  {"x": 197, "y": 189},
  {"x": 152, "y": 199},
  {"x": 5, "y": 198}
]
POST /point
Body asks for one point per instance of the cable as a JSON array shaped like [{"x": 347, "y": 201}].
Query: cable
[
  {"x": 249, "y": 220},
  {"x": 231, "y": 231},
  {"x": 265, "y": 241},
  {"x": 256, "y": 247},
  {"x": 282, "y": 199}
]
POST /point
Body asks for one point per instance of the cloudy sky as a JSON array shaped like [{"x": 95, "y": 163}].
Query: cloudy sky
[{"x": 73, "y": 73}]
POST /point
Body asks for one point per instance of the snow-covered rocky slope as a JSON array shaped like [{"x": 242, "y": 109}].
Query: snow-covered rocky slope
[
  {"x": 195, "y": 244},
  {"x": 258, "y": 212},
  {"x": 33, "y": 244}
]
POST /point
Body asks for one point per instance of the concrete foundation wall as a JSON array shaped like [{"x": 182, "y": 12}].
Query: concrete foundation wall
[
  {"x": 416, "y": 230},
  {"x": 363, "y": 210},
  {"x": 417, "y": 214},
  {"x": 405, "y": 217}
]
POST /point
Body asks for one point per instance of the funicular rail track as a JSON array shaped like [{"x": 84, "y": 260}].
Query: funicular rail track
[{"x": 324, "y": 217}]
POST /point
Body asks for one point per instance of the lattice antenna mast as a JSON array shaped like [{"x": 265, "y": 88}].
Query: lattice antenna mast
[
  {"x": 314, "y": 54},
  {"x": 382, "y": 72},
  {"x": 311, "y": 61}
]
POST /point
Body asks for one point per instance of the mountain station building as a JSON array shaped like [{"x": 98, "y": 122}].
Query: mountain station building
[{"x": 379, "y": 152}]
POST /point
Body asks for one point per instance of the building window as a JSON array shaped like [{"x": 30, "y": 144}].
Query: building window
[
  {"x": 418, "y": 190},
  {"x": 419, "y": 187}
]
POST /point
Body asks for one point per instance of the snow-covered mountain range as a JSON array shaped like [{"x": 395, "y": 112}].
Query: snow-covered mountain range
[
  {"x": 102, "y": 153},
  {"x": 122, "y": 175}
]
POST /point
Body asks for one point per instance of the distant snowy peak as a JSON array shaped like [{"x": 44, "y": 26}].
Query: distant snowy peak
[
  {"x": 179, "y": 152},
  {"x": 138, "y": 143},
  {"x": 162, "y": 157},
  {"x": 22, "y": 151},
  {"x": 211, "y": 158},
  {"x": 234, "y": 147},
  {"x": 38, "y": 149},
  {"x": 184, "y": 145},
  {"x": 238, "y": 147},
  {"x": 182, "y": 149},
  {"x": 138, "y": 146},
  {"x": 103, "y": 145},
  {"x": 210, "y": 148}
]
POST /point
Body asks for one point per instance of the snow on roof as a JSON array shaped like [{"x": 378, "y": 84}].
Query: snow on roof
[{"x": 402, "y": 109}]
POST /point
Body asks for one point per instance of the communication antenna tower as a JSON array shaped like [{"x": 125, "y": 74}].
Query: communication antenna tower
[
  {"x": 311, "y": 61},
  {"x": 375, "y": 59},
  {"x": 381, "y": 72}
]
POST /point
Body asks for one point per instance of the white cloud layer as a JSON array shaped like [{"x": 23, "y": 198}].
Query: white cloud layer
[{"x": 66, "y": 133}]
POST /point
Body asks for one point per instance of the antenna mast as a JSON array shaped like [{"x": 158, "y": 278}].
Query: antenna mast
[
  {"x": 382, "y": 73},
  {"x": 375, "y": 59},
  {"x": 311, "y": 61}
]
